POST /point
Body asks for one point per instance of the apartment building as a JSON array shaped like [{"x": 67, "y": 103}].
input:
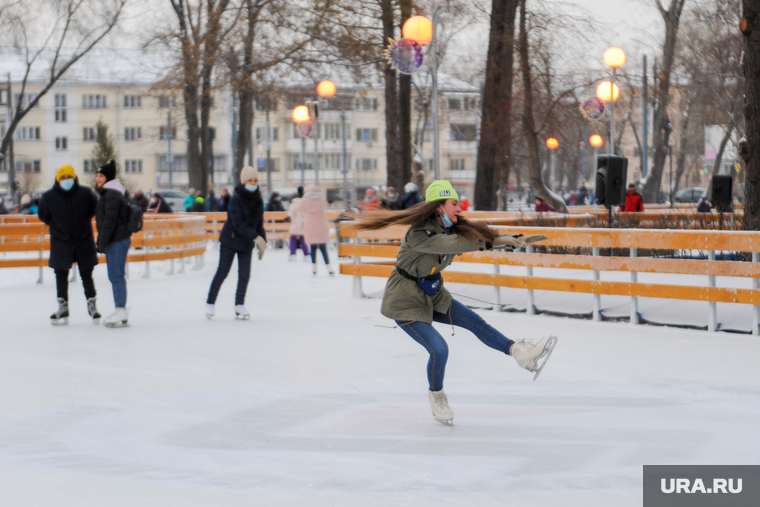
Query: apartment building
[{"x": 61, "y": 129}]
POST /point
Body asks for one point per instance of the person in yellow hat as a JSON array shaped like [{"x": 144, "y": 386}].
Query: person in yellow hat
[
  {"x": 415, "y": 295},
  {"x": 67, "y": 209}
]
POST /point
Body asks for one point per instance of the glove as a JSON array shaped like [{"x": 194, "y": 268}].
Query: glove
[
  {"x": 518, "y": 241},
  {"x": 262, "y": 243}
]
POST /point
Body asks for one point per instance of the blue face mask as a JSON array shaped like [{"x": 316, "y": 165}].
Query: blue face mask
[
  {"x": 67, "y": 184},
  {"x": 251, "y": 188},
  {"x": 446, "y": 222}
]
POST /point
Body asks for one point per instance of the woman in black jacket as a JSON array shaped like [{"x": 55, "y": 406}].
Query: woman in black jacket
[
  {"x": 67, "y": 209},
  {"x": 158, "y": 204},
  {"x": 243, "y": 228},
  {"x": 114, "y": 238}
]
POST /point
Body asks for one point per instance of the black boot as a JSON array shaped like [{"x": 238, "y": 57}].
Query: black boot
[{"x": 62, "y": 315}]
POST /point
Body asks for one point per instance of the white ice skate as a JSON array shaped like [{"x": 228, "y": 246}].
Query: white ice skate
[
  {"x": 292, "y": 258},
  {"x": 306, "y": 258},
  {"x": 242, "y": 313},
  {"x": 119, "y": 318},
  {"x": 210, "y": 311},
  {"x": 330, "y": 270},
  {"x": 314, "y": 268},
  {"x": 61, "y": 316},
  {"x": 527, "y": 354},
  {"x": 439, "y": 403},
  {"x": 92, "y": 309}
]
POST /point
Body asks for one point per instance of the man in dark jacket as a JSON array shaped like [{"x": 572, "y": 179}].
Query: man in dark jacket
[
  {"x": 67, "y": 209},
  {"x": 704, "y": 205},
  {"x": 158, "y": 204},
  {"x": 114, "y": 238},
  {"x": 244, "y": 228},
  {"x": 139, "y": 199},
  {"x": 411, "y": 197},
  {"x": 212, "y": 203},
  {"x": 633, "y": 201}
]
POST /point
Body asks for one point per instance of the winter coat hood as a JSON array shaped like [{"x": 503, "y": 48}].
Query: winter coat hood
[
  {"x": 313, "y": 192},
  {"x": 114, "y": 184}
]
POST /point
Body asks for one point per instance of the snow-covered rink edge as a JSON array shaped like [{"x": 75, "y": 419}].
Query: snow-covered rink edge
[{"x": 312, "y": 403}]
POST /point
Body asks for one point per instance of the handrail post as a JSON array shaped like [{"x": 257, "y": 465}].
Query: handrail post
[
  {"x": 147, "y": 255},
  {"x": 634, "y": 299},
  {"x": 712, "y": 315},
  {"x": 172, "y": 250},
  {"x": 41, "y": 239},
  {"x": 756, "y": 308},
  {"x": 182, "y": 258},
  {"x": 496, "y": 270},
  {"x": 358, "y": 293},
  {"x": 597, "y": 316},
  {"x": 531, "y": 308}
]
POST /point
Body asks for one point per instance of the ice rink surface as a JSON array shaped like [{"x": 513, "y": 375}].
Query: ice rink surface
[{"x": 311, "y": 403}]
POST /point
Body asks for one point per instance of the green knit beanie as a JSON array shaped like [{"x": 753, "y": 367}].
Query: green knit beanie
[{"x": 440, "y": 190}]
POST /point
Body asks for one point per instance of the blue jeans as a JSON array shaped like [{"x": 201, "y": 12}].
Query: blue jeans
[
  {"x": 116, "y": 262},
  {"x": 226, "y": 256},
  {"x": 322, "y": 248},
  {"x": 461, "y": 316}
]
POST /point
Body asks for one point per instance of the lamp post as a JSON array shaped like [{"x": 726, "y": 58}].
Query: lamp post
[
  {"x": 327, "y": 89},
  {"x": 614, "y": 58},
  {"x": 597, "y": 142},
  {"x": 423, "y": 31},
  {"x": 552, "y": 144},
  {"x": 301, "y": 115}
]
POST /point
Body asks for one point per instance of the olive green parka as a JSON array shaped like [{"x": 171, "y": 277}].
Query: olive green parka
[{"x": 426, "y": 249}]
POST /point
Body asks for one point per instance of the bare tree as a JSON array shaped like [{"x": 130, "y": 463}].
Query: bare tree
[{"x": 750, "y": 149}]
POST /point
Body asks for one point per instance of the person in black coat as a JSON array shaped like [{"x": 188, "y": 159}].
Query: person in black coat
[
  {"x": 392, "y": 200},
  {"x": 158, "y": 204},
  {"x": 139, "y": 199},
  {"x": 67, "y": 209},
  {"x": 411, "y": 197},
  {"x": 114, "y": 238},
  {"x": 224, "y": 200},
  {"x": 243, "y": 228}
]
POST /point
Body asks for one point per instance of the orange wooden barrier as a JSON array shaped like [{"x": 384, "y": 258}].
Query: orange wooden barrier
[{"x": 385, "y": 244}]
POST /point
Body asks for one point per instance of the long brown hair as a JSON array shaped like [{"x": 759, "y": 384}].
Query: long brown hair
[{"x": 417, "y": 214}]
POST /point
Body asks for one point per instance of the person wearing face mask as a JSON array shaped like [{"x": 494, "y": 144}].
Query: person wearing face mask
[
  {"x": 243, "y": 229},
  {"x": 392, "y": 200},
  {"x": 67, "y": 209},
  {"x": 415, "y": 295}
]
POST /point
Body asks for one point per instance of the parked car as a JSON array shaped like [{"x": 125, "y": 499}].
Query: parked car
[
  {"x": 175, "y": 198},
  {"x": 691, "y": 194}
]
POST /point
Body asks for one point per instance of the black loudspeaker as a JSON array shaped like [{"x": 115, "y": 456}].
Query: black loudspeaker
[
  {"x": 721, "y": 192},
  {"x": 611, "y": 175}
]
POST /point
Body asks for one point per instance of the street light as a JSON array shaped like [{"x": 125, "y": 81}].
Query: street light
[
  {"x": 552, "y": 144},
  {"x": 422, "y": 30},
  {"x": 614, "y": 58},
  {"x": 301, "y": 116},
  {"x": 326, "y": 89},
  {"x": 597, "y": 142},
  {"x": 607, "y": 91}
]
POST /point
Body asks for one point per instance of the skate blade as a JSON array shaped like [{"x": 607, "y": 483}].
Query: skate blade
[
  {"x": 547, "y": 352},
  {"x": 59, "y": 322},
  {"x": 96, "y": 321},
  {"x": 445, "y": 422},
  {"x": 209, "y": 316},
  {"x": 123, "y": 323},
  {"x": 242, "y": 317}
]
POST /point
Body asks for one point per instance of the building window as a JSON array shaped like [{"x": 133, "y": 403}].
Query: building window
[
  {"x": 90, "y": 165},
  {"x": 27, "y": 166},
  {"x": 132, "y": 101},
  {"x": 3, "y": 97},
  {"x": 366, "y": 135},
  {"x": 89, "y": 133},
  {"x": 133, "y": 165},
  {"x": 93, "y": 101},
  {"x": 162, "y": 133},
  {"x": 60, "y": 107},
  {"x": 26, "y": 99},
  {"x": 132, "y": 133},
  {"x": 365, "y": 104},
  {"x": 455, "y": 104},
  {"x": 27, "y": 133},
  {"x": 462, "y": 132},
  {"x": 167, "y": 101},
  {"x": 266, "y": 104},
  {"x": 457, "y": 164},
  {"x": 61, "y": 143},
  {"x": 333, "y": 130},
  {"x": 335, "y": 161},
  {"x": 366, "y": 164},
  {"x": 262, "y": 131}
]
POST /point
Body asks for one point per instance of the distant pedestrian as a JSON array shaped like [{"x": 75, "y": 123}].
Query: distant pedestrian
[
  {"x": 158, "y": 204},
  {"x": 67, "y": 209},
  {"x": 633, "y": 201},
  {"x": 212, "y": 203},
  {"x": 392, "y": 200},
  {"x": 315, "y": 228},
  {"x": 140, "y": 200},
  {"x": 542, "y": 206},
  {"x": 582, "y": 195},
  {"x": 199, "y": 205},
  {"x": 411, "y": 196},
  {"x": 3, "y": 209},
  {"x": 296, "y": 215},
  {"x": 189, "y": 200},
  {"x": 275, "y": 205},
  {"x": 224, "y": 200},
  {"x": 28, "y": 207},
  {"x": 114, "y": 238},
  {"x": 243, "y": 229},
  {"x": 370, "y": 202},
  {"x": 704, "y": 205},
  {"x": 464, "y": 203}
]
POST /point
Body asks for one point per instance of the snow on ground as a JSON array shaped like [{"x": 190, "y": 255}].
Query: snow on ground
[{"x": 311, "y": 403}]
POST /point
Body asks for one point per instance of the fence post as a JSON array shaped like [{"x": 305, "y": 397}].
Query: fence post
[
  {"x": 634, "y": 299},
  {"x": 496, "y": 270},
  {"x": 172, "y": 248},
  {"x": 712, "y": 315},
  {"x": 597, "y": 297},
  {"x": 146, "y": 235},
  {"x": 41, "y": 238},
  {"x": 358, "y": 293},
  {"x": 182, "y": 258},
  {"x": 756, "y": 308},
  {"x": 531, "y": 309}
]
